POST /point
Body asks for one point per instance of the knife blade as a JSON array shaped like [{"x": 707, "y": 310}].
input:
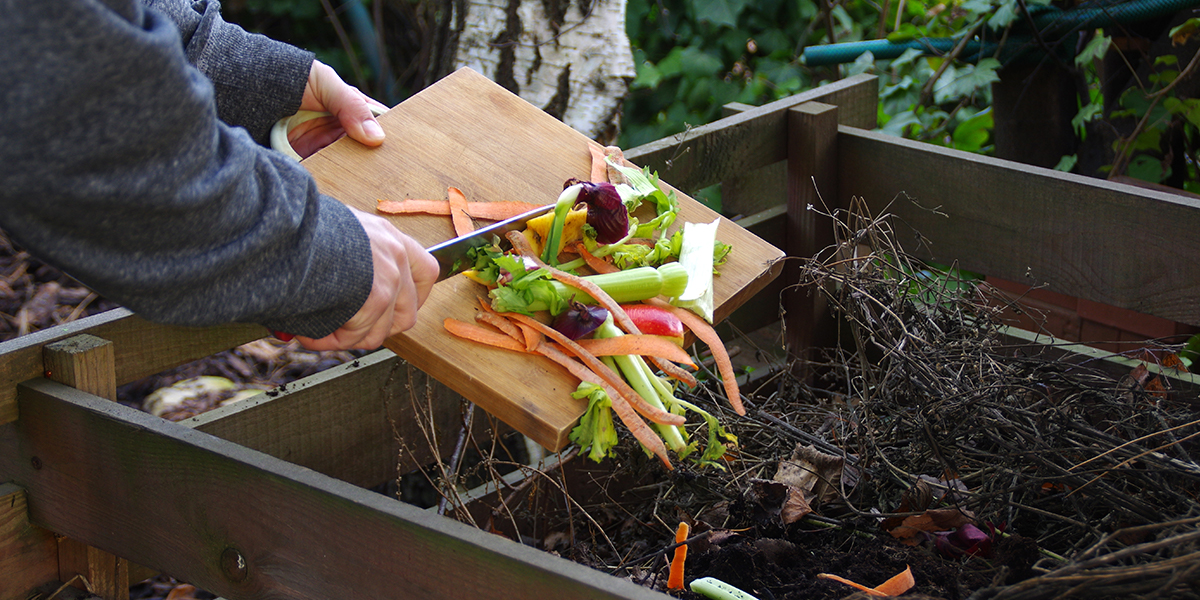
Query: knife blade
[{"x": 452, "y": 254}]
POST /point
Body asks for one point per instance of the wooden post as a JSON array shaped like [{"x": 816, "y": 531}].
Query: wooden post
[
  {"x": 1033, "y": 106},
  {"x": 28, "y": 555},
  {"x": 812, "y": 184},
  {"x": 86, "y": 363}
]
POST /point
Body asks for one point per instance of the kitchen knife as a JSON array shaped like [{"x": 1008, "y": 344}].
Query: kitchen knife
[{"x": 452, "y": 254}]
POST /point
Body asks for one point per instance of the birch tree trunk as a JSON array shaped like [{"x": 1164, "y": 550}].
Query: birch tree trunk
[{"x": 572, "y": 59}]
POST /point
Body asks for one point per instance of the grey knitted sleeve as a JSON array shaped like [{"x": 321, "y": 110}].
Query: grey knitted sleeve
[
  {"x": 257, "y": 80},
  {"x": 118, "y": 170}
]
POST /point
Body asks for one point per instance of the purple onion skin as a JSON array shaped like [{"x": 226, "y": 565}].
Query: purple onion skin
[
  {"x": 606, "y": 213},
  {"x": 968, "y": 539},
  {"x": 579, "y": 320}
]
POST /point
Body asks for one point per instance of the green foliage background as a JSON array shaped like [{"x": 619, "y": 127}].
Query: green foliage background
[{"x": 695, "y": 56}]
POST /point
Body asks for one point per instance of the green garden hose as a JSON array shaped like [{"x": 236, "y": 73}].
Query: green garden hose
[{"x": 1048, "y": 22}]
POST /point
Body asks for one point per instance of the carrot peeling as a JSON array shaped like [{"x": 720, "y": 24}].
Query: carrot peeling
[
  {"x": 657, "y": 415},
  {"x": 709, "y": 336},
  {"x": 504, "y": 325},
  {"x": 599, "y": 167},
  {"x": 482, "y": 335},
  {"x": 596, "y": 263},
  {"x": 533, "y": 337},
  {"x": 675, "y": 579},
  {"x": 895, "y": 586},
  {"x": 640, "y": 344},
  {"x": 458, "y": 212},
  {"x": 493, "y": 211}
]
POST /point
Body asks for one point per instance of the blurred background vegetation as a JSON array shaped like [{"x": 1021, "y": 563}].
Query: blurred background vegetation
[{"x": 1131, "y": 102}]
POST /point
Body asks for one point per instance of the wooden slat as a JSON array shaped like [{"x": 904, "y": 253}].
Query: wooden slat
[
  {"x": 85, "y": 362},
  {"x": 28, "y": 555},
  {"x": 245, "y": 525},
  {"x": 344, "y": 421},
  {"x": 142, "y": 348},
  {"x": 1108, "y": 242},
  {"x": 763, "y": 308},
  {"x": 812, "y": 186},
  {"x": 735, "y": 145}
]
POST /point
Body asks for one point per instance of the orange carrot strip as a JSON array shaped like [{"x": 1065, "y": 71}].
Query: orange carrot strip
[
  {"x": 895, "y": 586},
  {"x": 596, "y": 263},
  {"x": 458, "y": 212},
  {"x": 504, "y": 325},
  {"x": 855, "y": 585},
  {"x": 482, "y": 335},
  {"x": 640, "y": 344},
  {"x": 533, "y": 337},
  {"x": 640, "y": 430},
  {"x": 635, "y": 399},
  {"x": 521, "y": 245},
  {"x": 499, "y": 210},
  {"x": 599, "y": 167},
  {"x": 675, "y": 579},
  {"x": 709, "y": 336},
  {"x": 902, "y": 582},
  {"x": 413, "y": 206},
  {"x": 494, "y": 211}
]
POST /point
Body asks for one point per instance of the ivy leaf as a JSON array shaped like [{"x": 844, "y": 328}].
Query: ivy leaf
[
  {"x": 1005, "y": 14},
  {"x": 1148, "y": 168},
  {"x": 1066, "y": 163},
  {"x": 1149, "y": 139},
  {"x": 961, "y": 82},
  {"x": 722, "y": 13},
  {"x": 1086, "y": 115},
  {"x": 1189, "y": 108},
  {"x": 865, "y": 63},
  {"x": 648, "y": 76},
  {"x": 698, "y": 64},
  {"x": 1096, "y": 48},
  {"x": 1184, "y": 32},
  {"x": 973, "y": 133}
]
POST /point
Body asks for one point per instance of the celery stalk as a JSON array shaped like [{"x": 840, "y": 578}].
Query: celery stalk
[
  {"x": 566, "y": 200},
  {"x": 635, "y": 374}
]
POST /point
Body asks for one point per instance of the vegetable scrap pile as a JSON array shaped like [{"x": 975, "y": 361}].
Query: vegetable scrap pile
[
  {"x": 609, "y": 298},
  {"x": 927, "y": 456}
]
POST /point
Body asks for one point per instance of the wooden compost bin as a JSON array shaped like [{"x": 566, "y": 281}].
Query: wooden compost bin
[{"x": 267, "y": 498}]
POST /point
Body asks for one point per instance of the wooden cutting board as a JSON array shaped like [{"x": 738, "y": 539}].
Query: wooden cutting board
[{"x": 468, "y": 132}]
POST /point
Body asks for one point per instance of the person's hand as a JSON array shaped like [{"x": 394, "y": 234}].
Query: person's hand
[
  {"x": 350, "y": 113},
  {"x": 404, "y": 275}
]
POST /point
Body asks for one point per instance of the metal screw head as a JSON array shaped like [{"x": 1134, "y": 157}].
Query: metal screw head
[
  {"x": 36, "y": 462},
  {"x": 233, "y": 565}
]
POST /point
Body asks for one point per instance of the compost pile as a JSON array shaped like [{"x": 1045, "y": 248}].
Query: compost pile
[{"x": 925, "y": 440}]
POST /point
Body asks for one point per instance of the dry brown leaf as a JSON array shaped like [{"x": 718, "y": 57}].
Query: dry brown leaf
[
  {"x": 938, "y": 519},
  {"x": 820, "y": 475}
]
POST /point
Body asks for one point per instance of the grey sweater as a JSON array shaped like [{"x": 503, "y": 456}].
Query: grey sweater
[{"x": 128, "y": 158}]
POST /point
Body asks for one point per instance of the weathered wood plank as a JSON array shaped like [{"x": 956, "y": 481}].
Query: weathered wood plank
[
  {"x": 1108, "y": 242},
  {"x": 763, "y": 308},
  {"x": 245, "y": 525},
  {"x": 141, "y": 348},
  {"x": 85, "y": 362},
  {"x": 358, "y": 422},
  {"x": 28, "y": 556},
  {"x": 735, "y": 145},
  {"x": 812, "y": 185}
]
